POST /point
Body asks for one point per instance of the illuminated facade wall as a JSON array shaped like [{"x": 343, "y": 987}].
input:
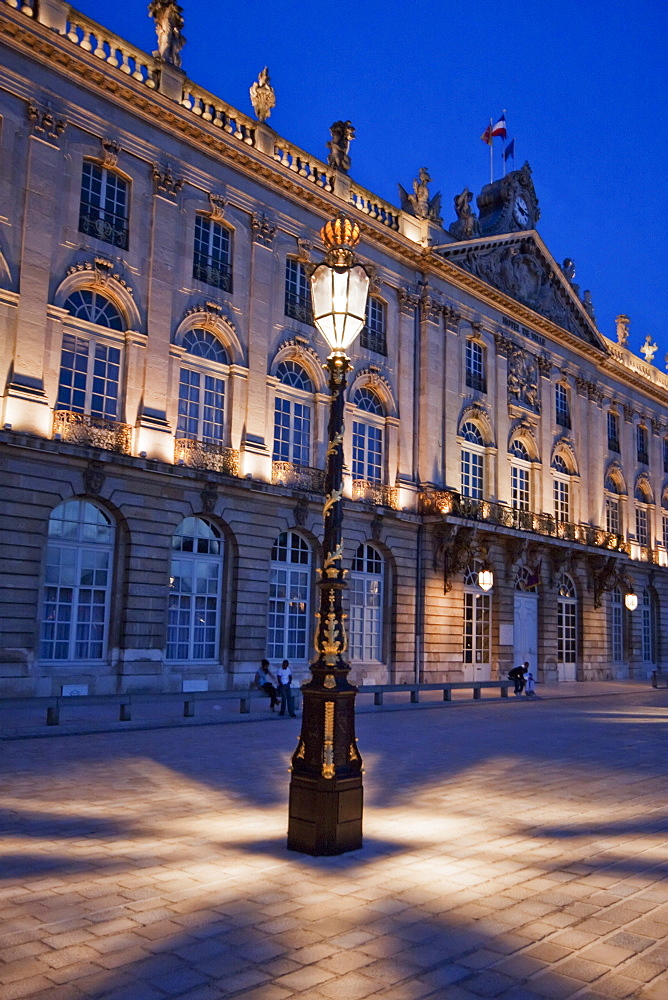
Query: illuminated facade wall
[{"x": 164, "y": 412}]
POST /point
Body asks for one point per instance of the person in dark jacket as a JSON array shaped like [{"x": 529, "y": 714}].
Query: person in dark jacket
[
  {"x": 517, "y": 675},
  {"x": 265, "y": 681}
]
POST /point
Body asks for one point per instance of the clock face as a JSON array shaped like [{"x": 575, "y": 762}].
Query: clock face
[{"x": 521, "y": 212}]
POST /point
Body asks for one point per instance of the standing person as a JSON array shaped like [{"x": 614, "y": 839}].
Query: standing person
[
  {"x": 530, "y": 685},
  {"x": 285, "y": 689},
  {"x": 265, "y": 681}
]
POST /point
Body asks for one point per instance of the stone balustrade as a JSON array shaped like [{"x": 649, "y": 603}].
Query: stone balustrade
[
  {"x": 375, "y": 493},
  {"x": 205, "y": 455},
  {"x": 301, "y": 163},
  {"x": 211, "y": 109},
  {"x": 450, "y": 503},
  {"x": 95, "y": 432},
  {"x": 375, "y": 208},
  {"x": 298, "y": 477},
  {"x": 114, "y": 51},
  {"x": 635, "y": 364},
  {"x": 25, "y": 6}
]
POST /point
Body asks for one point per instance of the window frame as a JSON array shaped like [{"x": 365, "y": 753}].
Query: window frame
[
  {"x": 298, "y": 303},
  {"x": 297, "y": 587},
  {"x": 562, "y": 405},
  {"x": 215, "y": 272},
  {"x": 475, "y": 365},
  {"x": 196, "y": 558},
  {"x": 613, "y": 432},
  {"x": 367, "y": 619},
  {"x": 100, "y": 340},
  {"x": 208, "y": 368},
  {"x": 642, "y": 444},
  {"x": 368, "y": 437},
  {"x": 294, "y": 405},
  {"x": 120, "y": 235},
  {"x": 472, "y": 461},
  {"x": 374, "y": 332}
]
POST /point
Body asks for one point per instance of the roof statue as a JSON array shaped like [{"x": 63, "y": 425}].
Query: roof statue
[
  {"x": 420, "y": 204},
  {"x": 623, "y": 322},
  {"x": 263, "y": 96},
  {"x": 342, "y": 135},
  {"x": 467, "y": 226},
  {"x": 168, "y": 17},
  {"x": 589, "y": 306},
  {"x": 649, "y": 349}
]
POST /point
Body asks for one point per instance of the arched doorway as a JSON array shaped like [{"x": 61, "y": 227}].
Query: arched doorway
[
  {"x": 477, "y": 627},
  {"x": 567, "y": 614},
  {"x": 525, "y": 630}
]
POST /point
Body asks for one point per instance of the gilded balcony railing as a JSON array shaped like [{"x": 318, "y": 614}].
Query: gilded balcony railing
[
  {"x": 114, "y": 51},
  {"x": 205, "y": 455},
  {"x": 96, "y": 432},
  {"x": 299, "y": 477},
  {"x": 449, "y": 502},
  {"x": 375, "y": 493}
]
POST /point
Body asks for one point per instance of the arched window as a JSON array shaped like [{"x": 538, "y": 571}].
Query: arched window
[
  {"x": 647, "y": 624},
  {"x": 292, "y": 414},
  {"x": 193, "y": 628},
  {"x": 616, "y": 625},
  {"x": 526, "y": 580},
  {"x": 643, "y": 498},
  {"x": 373, "y": 335},
  {"x": 202, "y": 388},
  {"x": 103, "y": 210},
  {"x": 212, "y": 256},
  {"x": 289, "y": 598},
  {"x": 77, "y": 584},
  {"x": 566, "y": 628},
  {"x": 477, "y": 625},
  {"x": 368, "y": 437},
  {"x": 366, "y": 604},
  {"x": 472, "y": 462},
  {"x": 561, "y": 488},
  {"x": 90, "y": 360},
  {"x": 520, "y": 469},
  {"x": 613, "y": 518}
]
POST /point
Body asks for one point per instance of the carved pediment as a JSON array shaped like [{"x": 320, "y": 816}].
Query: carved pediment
[{"x": 526, "y": 272}]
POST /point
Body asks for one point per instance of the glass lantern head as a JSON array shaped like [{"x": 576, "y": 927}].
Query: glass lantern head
[
  {"x": 485, "y": 579},
  {"x": 339, "y": 286},
  {"x": 631, "y": 600}
]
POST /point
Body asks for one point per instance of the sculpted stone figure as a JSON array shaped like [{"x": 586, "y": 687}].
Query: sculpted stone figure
[
  {"x": 467, "y": 225},
  {"x": 342, "y": 135},
  {"x": 589, "y": 306},
  {"x": 263, "y": 96},
  {"x": 420, "y": 203},
  {"x": 523, "y": 380},
  {"x": 623, "y": 322},
  {"x": 168, "y": 17},
  {"x": 649, "y": 349}
]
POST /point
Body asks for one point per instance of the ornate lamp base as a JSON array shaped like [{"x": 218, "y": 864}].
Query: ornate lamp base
[{"x": 325, "y": 819}]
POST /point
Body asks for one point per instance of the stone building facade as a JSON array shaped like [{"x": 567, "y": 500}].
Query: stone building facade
[{"x": 164, "y": 405}]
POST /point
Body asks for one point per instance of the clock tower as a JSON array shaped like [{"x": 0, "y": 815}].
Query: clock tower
[{"x": 508, "y": 205}]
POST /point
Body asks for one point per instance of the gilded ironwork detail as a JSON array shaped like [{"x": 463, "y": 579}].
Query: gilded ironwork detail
[{"x": 328, "y": 747}]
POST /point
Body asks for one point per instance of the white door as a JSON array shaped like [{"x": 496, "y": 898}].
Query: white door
[
  {"x": 566, "y": 639},
  {"x": 525, "y": 632},
  {"x": 477, "y": 636}
]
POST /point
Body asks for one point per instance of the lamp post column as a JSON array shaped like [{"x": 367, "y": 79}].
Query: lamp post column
[{"x": 325, "y": 813}]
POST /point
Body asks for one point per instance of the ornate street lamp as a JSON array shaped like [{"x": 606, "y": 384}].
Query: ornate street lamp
[
  {"x": 325, "y": 815},
  {"x": 486, "y": 578}
]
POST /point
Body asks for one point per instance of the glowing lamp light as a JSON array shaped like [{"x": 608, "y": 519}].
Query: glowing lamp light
[
  {"x": 339, "y": 286},
  {"x": 631, "y": 600},
  {"x": 485, "y": 579}
]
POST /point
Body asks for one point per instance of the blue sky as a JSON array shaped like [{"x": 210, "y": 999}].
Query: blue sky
[{"x": 584, "y": 84}]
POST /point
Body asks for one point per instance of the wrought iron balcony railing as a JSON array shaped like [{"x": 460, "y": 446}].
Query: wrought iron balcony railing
[
  {"x": 219, "y": 275},
  {"x": 206, "y": 455},
  {"x": 104, "y": 226},
  {"x": 299, "y": 307},
  {"x": 375, "y": 493},
  {"x": 298, "y": 477},
  {"x": 449, "y": 502},
  {"x": 96, "y": 432}
]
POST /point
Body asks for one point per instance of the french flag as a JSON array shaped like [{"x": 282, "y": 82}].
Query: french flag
[{"x": 500, "y": 127}]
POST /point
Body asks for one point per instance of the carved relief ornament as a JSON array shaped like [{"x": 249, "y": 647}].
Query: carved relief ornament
[
  {"x": 101, "y": 271},
  {"x": 523, "y": 380},
  {"x": 218, "y": 204},
  {"x": 94, "y": 477},
  {"x": 263, "y": 230},
  {"x": 209, "y": 498},
  {"x": 165, "y": 182},
  {"x": 110, "y": 152},
  {"x": 408, "y": 300},
  {"x": 45, "y": 123}
]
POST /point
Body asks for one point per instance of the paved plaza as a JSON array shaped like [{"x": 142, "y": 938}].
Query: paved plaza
[{"x": 513, "y": 849}]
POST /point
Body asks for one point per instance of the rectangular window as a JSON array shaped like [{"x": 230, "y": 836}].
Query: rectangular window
[
  {"x": 475, "y": 366},
  {"x": 519, "y": 487},
  {"x": 665, "y": 455},
  {"x": 292, "y": 431},
  {"x": 613, "y": 432},
  {"x": 367, "y": 452},
  {"x": 201, "y": 407},
  {"x": 563, "y": 410},
  {"x": 561, "y": 500},
  {"x": 89, "y": 378},
  {"x": 373, "y": 334},
  {"x": 612, "y": 519},
  {"x": 472, "y": 475},
  {"x": 642, "y": 442},
  {"x": 616, "y": 629},
  {"x": 664, "y": 525},
  {"x": 642, "y": 526},
  {"x": 297, "y": 292},
  {"x": 212, "y": 258},
  {"x": 103, "y": 211}
]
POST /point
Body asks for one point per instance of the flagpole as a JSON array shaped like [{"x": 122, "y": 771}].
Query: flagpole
[{"x": 491, "y": 153}]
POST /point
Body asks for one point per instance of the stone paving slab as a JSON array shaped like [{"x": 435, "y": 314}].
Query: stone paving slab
[{"x": 517, "y": 851}]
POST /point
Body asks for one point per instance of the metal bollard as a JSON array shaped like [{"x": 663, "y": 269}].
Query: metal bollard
[
  {"x": 244, "y": 705},
  {"x": 378, "y": 697},
  {"x": 188, "y": 709},
  {"x": 415, "y": 695},
  {"x": 52, "y": 715},
  {"x": 504, "y": 690},
  {"x": 477, "y": 692},
  {"x": 447, "y": 694},
  {"x": 125, "y": 715}
]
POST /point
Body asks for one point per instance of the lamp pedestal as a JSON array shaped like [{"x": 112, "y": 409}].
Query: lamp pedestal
[{"x": 326, "y": 796}]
